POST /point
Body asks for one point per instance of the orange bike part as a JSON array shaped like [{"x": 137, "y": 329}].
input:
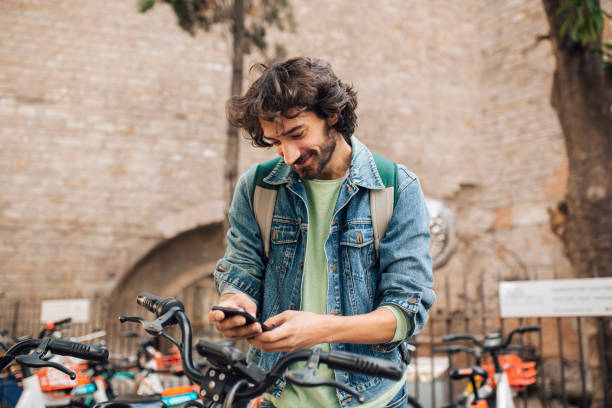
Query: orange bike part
[
  {"x": 520, "y": 373},
  {"x": 168, "y": 361},
  {"x": 52, "y": 380},
  {"x": 183, "y": 389}
]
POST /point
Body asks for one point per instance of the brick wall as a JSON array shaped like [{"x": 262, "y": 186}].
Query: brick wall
[{"x": 112, "y": 128}]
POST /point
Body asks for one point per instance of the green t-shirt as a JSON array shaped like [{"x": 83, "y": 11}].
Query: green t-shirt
[{"x": 322, "y": 196}]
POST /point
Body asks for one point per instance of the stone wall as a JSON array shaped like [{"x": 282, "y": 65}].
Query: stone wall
[{"x": 113, "y": 130}]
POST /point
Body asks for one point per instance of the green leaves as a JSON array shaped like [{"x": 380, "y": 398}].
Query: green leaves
[
  {"x": 258, "y": 15},
  {"x": 145, "y": 5},
  {"x": 583, "y": 24}
]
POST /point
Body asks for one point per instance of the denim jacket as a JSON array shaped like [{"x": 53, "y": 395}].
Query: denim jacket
[{"x": 359, "y": 281}]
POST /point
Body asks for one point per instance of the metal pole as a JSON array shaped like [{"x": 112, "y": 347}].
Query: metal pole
[
  {"x": 585, "y": 399},
  {"x": 604, "y": 365},
  {"x": 431, "y": 365},
  {"x": 560, "y": 339}
]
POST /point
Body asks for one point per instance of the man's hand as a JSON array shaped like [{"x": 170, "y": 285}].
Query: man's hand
[
  {"x": 234, "y": 327},
  {"x": 294, "y": 330}
]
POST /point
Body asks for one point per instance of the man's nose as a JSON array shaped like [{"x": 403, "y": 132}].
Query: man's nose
[{"x": 290, "y": 153}]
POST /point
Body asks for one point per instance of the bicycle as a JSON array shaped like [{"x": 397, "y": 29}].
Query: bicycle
[
  {"x": 505, "y": 372},
  {"x": 228, "y": 379},
  {"x": 31, "y": 353}
]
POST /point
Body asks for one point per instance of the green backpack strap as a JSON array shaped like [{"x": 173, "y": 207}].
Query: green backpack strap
[
  {"x": 382, "y": 201},
  {"x": 264, "y": 200}
]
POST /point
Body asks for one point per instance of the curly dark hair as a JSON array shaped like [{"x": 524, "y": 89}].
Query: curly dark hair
[{"x": 302, "y": 84}]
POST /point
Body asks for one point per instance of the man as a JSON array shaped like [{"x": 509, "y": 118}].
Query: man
[{"x": 323, "y": 283}]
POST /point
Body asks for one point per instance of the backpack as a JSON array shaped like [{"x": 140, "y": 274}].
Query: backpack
[{"x": 382, "y": 201}]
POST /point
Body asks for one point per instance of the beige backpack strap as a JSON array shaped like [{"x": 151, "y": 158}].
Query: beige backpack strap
[
  {"x": 264, "y": 200},
  {"x": 381, "y": 209},
  {"x": 263, "y": 206}
]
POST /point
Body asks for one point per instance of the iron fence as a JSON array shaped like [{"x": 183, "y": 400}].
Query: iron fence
[{"x": 559, "y": 349}]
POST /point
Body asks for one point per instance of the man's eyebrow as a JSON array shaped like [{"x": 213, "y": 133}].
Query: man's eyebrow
[
  {"x": 293, "y": 129},
  {"x": 287, "y": 132}
]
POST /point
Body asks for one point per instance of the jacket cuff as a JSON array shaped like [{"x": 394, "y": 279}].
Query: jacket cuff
[
  {"x": 230, "y": 278},
  {"x": 408, "y": 303}
]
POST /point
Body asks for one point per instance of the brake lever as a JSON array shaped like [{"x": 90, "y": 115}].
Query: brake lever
[
  {"x": 306, "y": 377},
  {"x": 154, "y": 327},
  {"x": 35, "y": 359},
  {"x": 132, "y": 319}
]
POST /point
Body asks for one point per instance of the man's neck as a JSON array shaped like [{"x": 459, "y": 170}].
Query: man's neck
[{"x": 340, "y": 161}]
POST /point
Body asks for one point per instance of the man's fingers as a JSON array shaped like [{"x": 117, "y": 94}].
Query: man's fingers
[
  {"x": 231, "y": 322},
  {"x": 276, "y": 320},
  {"x": 216, "y": 316},
  {"x": 240, "y": 332}
]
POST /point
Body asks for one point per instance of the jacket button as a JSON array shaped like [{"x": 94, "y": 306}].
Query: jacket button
[
  {"x": 301, "y": 265},
  {"x": 299, "y": 220}
]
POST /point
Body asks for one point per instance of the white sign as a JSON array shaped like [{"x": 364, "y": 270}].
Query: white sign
[
  {"x": 556, "y": 298},
  {"x": 53, "y": 310}
]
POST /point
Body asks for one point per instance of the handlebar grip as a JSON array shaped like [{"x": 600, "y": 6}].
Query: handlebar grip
[
  {"x": 156, "y": 304},
  {"x": 79, "y": 350},
  {"x": 467, "y": 372},
  {"x": 63, "y": 321},
  {"x": 459, "y": 336},
  {"x": 452, "y": 349},
  {"x": 525, "y": 329},
  {"x": 366, "y": 365}
]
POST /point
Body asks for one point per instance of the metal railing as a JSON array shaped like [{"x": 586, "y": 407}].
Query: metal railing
[{"x": 560, "y": 344}]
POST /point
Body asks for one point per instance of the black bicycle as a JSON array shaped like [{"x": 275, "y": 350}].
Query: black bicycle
[
  {"x": 228, "y": 378},
  {"x": 33, "y": 353}
]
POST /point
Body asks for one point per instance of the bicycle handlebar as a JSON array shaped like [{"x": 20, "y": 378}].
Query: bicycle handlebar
[
  {"x": 453, "y": 349},
  {"x": 56, "y": 346},
  {"x": 63, "y": 321},
  {"x": 461, "y": 336},
  {"x": 79, "y": 350},
  {"x": 158, "y": 305},
  {"x": 363, "y": 364},
  {"x": 226, "y": 358},
  {"x": 521, "y": 330},
  {"x": 496, "y": 346}
]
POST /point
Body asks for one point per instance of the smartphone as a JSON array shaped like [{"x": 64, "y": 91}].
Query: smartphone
[{"x": 237, "y": 311}]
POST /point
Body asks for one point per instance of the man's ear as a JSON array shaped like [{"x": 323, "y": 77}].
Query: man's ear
[{"x": 332, "y": 120}]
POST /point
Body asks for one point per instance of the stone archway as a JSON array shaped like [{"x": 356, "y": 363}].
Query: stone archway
[{"x": 170, "y": 267}]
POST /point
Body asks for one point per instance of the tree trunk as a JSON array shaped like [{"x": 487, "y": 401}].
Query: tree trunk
[
  {"x": 582, "y": 97},
  {"x": 231, "y": 147}
]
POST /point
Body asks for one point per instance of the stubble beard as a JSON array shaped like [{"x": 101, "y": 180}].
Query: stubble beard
[{"x": 320, "y": 160}]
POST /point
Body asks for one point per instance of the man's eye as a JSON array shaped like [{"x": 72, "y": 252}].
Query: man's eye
[{"x": 297, "y": 135}]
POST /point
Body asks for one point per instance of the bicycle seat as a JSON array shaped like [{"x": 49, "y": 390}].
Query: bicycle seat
[{"x": 134, "y": 401}]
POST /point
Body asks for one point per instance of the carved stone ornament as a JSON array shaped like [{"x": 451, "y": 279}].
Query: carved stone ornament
[{"x": 442, "y": 228}]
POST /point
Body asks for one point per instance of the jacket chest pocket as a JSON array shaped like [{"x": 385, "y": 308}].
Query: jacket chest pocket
[
  {"x": 357, "y": 249},
  {"x": 283, "y": 236}
]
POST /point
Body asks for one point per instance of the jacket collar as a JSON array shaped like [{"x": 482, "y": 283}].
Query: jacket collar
[{"x": 362, "y": 170}]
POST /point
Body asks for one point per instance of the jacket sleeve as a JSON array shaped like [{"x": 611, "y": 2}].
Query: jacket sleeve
[
  {"x": 242, "y": 267},
  {"x": 405, "y": 262}
]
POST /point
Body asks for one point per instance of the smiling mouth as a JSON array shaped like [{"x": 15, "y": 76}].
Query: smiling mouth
[{"x": 303, "y": 161}]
